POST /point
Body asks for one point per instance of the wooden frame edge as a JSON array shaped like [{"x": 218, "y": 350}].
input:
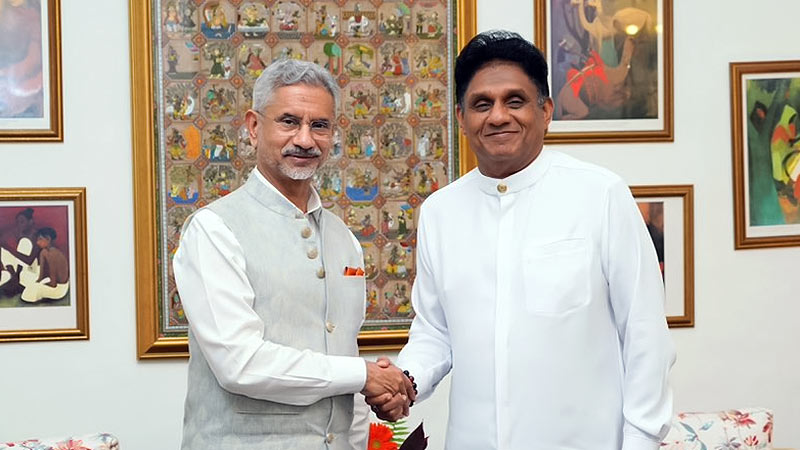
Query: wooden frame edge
[
  {"x": 55, "y": 132},
  {"x": 667, "y": 134},
  {"x": 736, "y": 71},
  {"x": 467, "y": 28},
  {"x": 81, "y": 331},
  {"x": 149, "y": 344},
  {"x": 686, "y": 193}
]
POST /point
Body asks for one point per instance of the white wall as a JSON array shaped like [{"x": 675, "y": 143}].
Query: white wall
[{"x": 742, "y": 352}]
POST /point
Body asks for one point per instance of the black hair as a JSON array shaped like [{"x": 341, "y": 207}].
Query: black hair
[
  {"x": 46, "y": 232},
  {"x": 27, "y": 213},
  {"x": 500, "y": 45}
]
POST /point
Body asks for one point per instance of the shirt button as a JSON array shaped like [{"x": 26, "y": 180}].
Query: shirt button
[
  {"x": 306, "y": 233},
  {"x": 312, "y": 253},
  {"x": 329, "y": 438},
  {"x": 330, "y": 327},
  {"x": 321, "y": 273},
  {"x": 502, "y": 188}
]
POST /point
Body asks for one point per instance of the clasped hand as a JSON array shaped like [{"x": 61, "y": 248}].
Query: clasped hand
[{"x": 388, "y": 390}]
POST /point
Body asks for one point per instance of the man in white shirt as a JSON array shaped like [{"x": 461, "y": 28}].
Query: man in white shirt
[
  {"x": 537, "y": 284},
  {"x": 273, "y": 288}
]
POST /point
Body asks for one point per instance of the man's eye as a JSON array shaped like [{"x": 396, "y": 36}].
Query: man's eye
[
  {"x": 320, "y": 125},
  {"x": 289, "y": 122},
  {"x": 516, "y": 103},
  {"x": 482, "y": 106}
]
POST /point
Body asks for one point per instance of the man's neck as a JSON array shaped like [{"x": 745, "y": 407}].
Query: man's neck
[{"x": 296, "y": 191}]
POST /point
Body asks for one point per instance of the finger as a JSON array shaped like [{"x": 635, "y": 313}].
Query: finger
[
  {"x": 392, "y": 416},
  {"x": 384, "y": 362},
  {"x": 379, "y": 399},
  {"x": 396, "y": 402}
]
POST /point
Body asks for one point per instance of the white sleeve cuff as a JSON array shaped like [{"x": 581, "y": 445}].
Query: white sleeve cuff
[
  {"x": 349, "y": 374},
  {"x": 636, "y": 442}
]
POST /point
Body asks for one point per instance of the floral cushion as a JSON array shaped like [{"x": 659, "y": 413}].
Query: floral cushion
[
  {"x": 99, "y": 441},
  {"x": 725, "y": 430}
]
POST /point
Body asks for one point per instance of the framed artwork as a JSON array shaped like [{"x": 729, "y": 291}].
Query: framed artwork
[
  {"x": 194, "y": 63},
  {"x": 30, "y": 71},
  {"x": 668, "y": 212},
  {"x": 43, "y": 278},
  {"x": 765, "y": 100},
  {"x": 610, "y": 69}
]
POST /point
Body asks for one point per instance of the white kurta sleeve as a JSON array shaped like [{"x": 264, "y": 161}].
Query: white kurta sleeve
[
  {"x": 427, "y": 356},
  {"x": 636, "y": 292},
  {"x": 217, "y": 297}
]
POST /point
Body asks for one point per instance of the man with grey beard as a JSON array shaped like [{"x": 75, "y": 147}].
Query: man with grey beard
[{"x": 275, "y": 307}]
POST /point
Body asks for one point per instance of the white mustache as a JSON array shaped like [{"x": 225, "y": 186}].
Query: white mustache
[{"x": 301, "y": 152}]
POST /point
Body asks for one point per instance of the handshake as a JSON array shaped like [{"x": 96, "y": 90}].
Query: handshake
[{"x": 388, "y": 390}]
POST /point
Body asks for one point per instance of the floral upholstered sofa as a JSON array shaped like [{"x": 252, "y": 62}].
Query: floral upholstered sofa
[
  {"x": 746, "y": 429},
  {"x": 99, "y": 441}
]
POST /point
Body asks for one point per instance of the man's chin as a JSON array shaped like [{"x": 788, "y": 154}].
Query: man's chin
[{"x": 299, "y": 173}]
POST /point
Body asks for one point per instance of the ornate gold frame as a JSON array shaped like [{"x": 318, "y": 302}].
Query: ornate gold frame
[
  {"x": 149, "y": 343},
  {"x": 686, "y": 194},
  {"x": 664, "y": 135},
  {"x": 737, "y": 71},
  {"x": 55, "y": 132},
  {"x": 78, "y": 198}
]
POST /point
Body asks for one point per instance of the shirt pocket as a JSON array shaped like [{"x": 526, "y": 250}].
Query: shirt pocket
[{"x": 556, "y": 276}]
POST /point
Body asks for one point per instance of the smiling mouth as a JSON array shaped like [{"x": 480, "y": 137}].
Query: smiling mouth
[{"x": 500, "y": 133}]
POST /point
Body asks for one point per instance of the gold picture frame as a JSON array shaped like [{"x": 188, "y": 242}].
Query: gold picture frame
[
  {"x": 605, "y": 71},
  {"x": 766, "y": 153},
  {"x": 669, "y": 214},
  {"x": 31, "y": 309},
  {"x": 152, "y": 341},
  {"x": 31, "y": 109}
]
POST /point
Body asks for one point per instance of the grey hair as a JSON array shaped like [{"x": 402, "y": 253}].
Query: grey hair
[{"x": 288, "y": 72}]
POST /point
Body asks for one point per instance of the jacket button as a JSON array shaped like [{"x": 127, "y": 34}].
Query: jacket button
[
  {"x": 306, "y": 233},
  {"x": 329, "y": 438},
  {"x": 312, "y": 253},
  {"x": 502, "y": 188},
  {"x": 321, "y": 273},
  {"x": 330, "y": 327}
]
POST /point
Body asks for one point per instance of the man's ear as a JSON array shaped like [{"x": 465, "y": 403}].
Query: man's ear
[
  {"x": 547, "y": 107},
  {"x": 460, "y": 117},
  {"x": 251, "y": 119}
]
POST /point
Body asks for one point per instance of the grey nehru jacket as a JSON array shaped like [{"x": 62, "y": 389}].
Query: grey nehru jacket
[{"x": 305, "y": 301}]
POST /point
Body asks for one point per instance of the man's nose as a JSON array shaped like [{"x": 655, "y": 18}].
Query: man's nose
[
  {"x": 498, "y": 115},
  {"x": 303, "y": 137}
]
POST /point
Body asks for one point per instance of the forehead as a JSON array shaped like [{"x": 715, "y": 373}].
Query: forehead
[
  {"x": 302, "y": 99},
  {"x": 498, "y": 77}
]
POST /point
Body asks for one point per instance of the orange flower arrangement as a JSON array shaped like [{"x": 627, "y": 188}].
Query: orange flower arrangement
[
  {"x": 380, "y": 437},
  {"x": 395, "y": 436}
]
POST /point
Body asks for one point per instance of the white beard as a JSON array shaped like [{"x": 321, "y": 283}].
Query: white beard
[{"x": 297, "y": 173}]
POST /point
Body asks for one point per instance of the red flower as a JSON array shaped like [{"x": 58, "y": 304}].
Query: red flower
[
  {"x": 71, "y": 445},
  {"x": 739, "y": 419},
  {"x": 768, "y": 430},
  {"x": 380, "y": 437},
  {"x": 751, "y": 441}
]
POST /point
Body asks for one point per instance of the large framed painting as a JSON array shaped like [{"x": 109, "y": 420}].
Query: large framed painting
[
  {"x": 610, "y": 69},
  {"x": 43, "y": 279},
  {"x": 30, "y": 71},
  {"x": 765, "y": 100},
  {"x": 668, "y": 212},
  {"x": 194, "y": 63}
]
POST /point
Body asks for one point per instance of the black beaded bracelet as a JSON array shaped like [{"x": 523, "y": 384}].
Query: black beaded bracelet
[{"x": 411, "y": 378}]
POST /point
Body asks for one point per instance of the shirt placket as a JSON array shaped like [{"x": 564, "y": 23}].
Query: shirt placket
[{"x": 504, "y": 267}]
